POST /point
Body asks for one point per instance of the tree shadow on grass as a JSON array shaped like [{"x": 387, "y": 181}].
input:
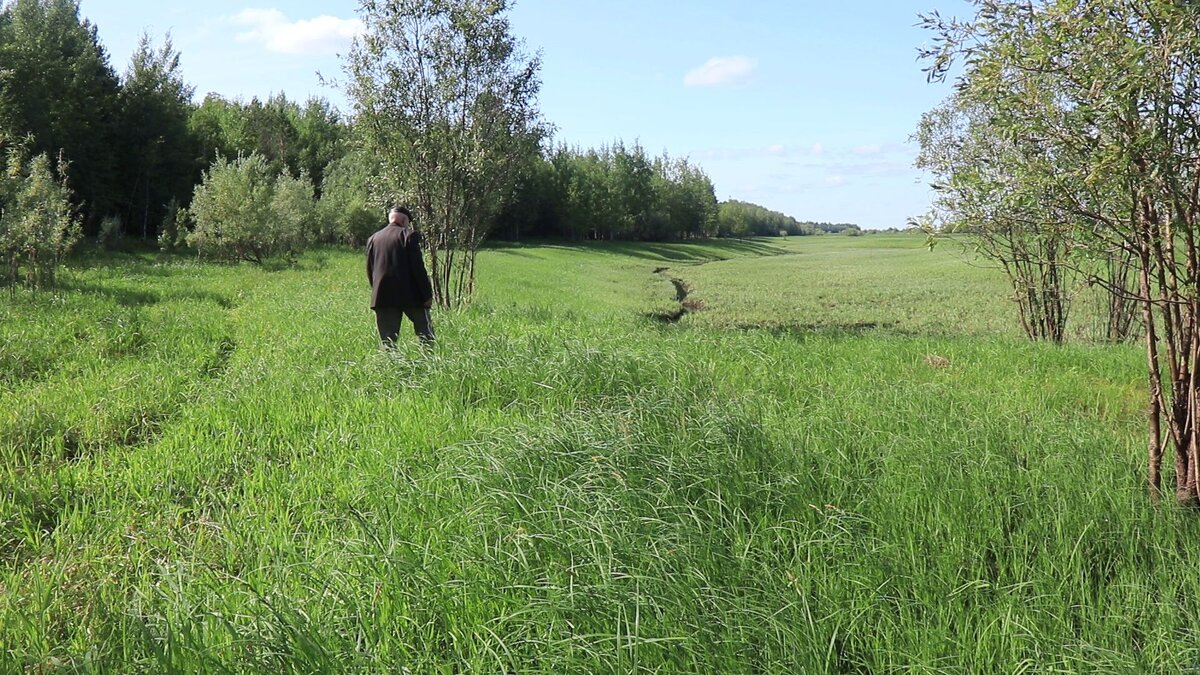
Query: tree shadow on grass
[
  {"x": 310, "y": 261},
  {"x": 803, "y": 331},
  {"x": 800, "y": 332},
  {"x": 516, "y": 251},
  {"x": 681, "y": 251},
  {"x": 151, "y": 262},
  {"x": 134, "y": 297},
  {"x": 132, "y": 263}
]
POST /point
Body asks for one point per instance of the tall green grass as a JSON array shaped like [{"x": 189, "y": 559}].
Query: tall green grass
[{"x": 564, "y": 483}]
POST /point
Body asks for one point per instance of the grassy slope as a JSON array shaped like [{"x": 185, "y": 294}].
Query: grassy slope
[
  {"x": 840, "y": 283},
  {"x": 211, "y": 468}
]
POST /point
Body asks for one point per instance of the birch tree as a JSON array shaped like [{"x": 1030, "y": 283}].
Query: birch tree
[{"x": 445, "y": 98}]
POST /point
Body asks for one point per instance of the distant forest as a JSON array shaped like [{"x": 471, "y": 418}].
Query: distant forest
[{"x": 131, "y": 150}]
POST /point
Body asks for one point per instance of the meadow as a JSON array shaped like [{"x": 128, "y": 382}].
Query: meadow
[{"x": 842, "y": 457}]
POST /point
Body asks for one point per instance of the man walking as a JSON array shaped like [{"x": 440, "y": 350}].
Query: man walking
[{"x": 399, "y": 283}]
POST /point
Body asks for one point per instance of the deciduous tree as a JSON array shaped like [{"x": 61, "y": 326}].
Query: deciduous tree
[
  {"x": 37, "y": 223},
  {"x": 243, "y": 211},
  {"x": 991, "y": 184},
  {"x": 1123, "y": 138},
  {"x": 445, "y": 98}
]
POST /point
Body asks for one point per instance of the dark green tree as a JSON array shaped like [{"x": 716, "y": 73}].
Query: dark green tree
[
  {"x": 269, "y": 129},
  {"x": 632, "y": 187},
  {"x": 216, "y": 125},
  {"x": 157, "y": 150},
  {"x": 321, "y": 138},
  {"x": 56, "y": 84},
  {"x": 743, "y": 219},
  {"x": 686, "y": 200}
]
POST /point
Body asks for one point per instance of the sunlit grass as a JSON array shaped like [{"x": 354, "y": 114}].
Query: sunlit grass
[{"x": 567, "y": 484}]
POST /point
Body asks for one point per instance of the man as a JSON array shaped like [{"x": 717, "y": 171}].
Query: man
[{"x": 399, "y": 283}]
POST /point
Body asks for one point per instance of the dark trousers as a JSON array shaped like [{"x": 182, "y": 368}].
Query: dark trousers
[{"x": 388, "y": 320}]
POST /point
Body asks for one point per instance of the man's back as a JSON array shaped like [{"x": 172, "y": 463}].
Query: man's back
[{"x": 396, "y": 269}]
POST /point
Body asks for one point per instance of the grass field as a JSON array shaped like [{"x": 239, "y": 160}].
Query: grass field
[{"x": 841, "y": 458}]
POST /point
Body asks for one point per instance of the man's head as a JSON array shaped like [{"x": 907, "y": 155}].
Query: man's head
[{"x": 399, "y": 216}]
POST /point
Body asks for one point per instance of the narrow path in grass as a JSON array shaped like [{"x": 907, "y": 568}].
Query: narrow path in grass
[{"x": 688, "y": 304}]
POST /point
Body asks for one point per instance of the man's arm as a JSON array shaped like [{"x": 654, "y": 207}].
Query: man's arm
[
  {"x": 370, "y": 261},
  {"x": 416, "y": 264}
]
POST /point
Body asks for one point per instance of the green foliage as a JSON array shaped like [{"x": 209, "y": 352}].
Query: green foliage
[
  {"x": 992, "y": 184},
  {"x": 743, "y": 219},
  {"x": 110, "y": 235},
  {"x": 611, "y": 193},
  {"x": 37, "y": 223},
  {"x": 320, "y": 138},
  {"x": 56, "y": 84},
  {"x": 1094, "y": 107},
  {"x": 157, "y": 151},
  {"x": 446, "y": 100},
  {"x": 215, "y": 124},
  {"x": 686, "y": 200},
  {"x": 588, "y": 205},
  {"x": 243, "y": 212},
  {"x": 292, "y": 138},
  {"x": 294, "y": 208},
  {"x": 173, "y": 231},
  {"x": 345, "y": 211}
]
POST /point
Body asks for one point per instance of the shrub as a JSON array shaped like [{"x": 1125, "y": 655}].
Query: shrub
[
  {"x": 345, "y": 211},
  {"x": 172, "y": 234},
  {"x": 110, "y": 236},
  {"x": 37, "y": 227},
  {"x": 293, "y": 205},
  {"x": 238, "y": 216}
]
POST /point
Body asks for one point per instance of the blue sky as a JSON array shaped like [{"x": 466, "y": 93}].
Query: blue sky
[{"x": 803, "y": 106}]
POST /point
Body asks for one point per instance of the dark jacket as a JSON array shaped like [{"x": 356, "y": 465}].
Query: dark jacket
[{"x": 396, "y": 270}]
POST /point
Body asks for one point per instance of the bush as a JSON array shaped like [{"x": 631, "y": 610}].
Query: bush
[
  {"x": 37, "y": 227},
  {"x": 239, "y": 217},
  {"x": 345, "y": 211},
  {"x": 172, "y": 234},
  {"x": 110, "y": 236},
  {"x": 294, "y": 205}
]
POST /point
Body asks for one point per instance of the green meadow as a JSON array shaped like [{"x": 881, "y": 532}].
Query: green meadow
[{"x": 821, "y": 454}]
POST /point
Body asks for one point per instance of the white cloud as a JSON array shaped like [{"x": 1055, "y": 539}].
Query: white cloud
[
  {"x": 722, "y": 71},
  {"x": 271, "y": 28},
  {"x": 817, "y": 148},
  {"x": 868, "y": 150},
  {"x": 835, "y": 181},
  {"x": 776, "y": 149}
]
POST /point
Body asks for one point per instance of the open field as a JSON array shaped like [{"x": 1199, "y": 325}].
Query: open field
[{"x": 842, "y": 458}]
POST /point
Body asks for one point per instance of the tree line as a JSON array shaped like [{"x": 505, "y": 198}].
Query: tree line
[
  {"x": 615, "y": 192},
  {"x": 743, "y": 219},
  {"x": 128, "y": 145},
  {"x": 620, "y": 192},
  {"x": 443, "y": 117}
]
